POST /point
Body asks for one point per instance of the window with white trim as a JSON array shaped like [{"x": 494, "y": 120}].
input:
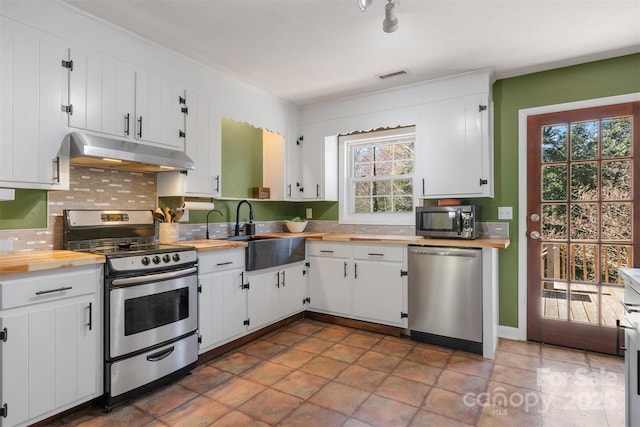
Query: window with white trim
[{"x": 376, "y": 177}]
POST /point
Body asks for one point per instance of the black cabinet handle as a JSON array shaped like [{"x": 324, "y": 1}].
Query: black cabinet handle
[
  {"x": 57, "y": 177},
  {"x": 126, "y": 124},
  {"x": 326, "y": 252},
  {"x": 618, "y": 328},
  {"x": 217, "y": 183},
  {"x": 140, "y": 127},
  {"x": 372, "y": 254},
  {"x": 423, "y": 190},
  {"x": 90, "y": 324},
  {"x": 355, "y": 270},
  {"x": 317, "y": 191},
  {"x": 50, "y": 291},
  {"x": 289, "y": 190},
  {"x": 220, "y": 264},
  {"x": 345, "y": 269},
  {"x": 278, "y": 280},
  {"x": 283, "y": 278}
]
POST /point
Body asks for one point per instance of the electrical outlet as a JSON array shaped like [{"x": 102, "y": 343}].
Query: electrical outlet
[
  {"x": 505, "y": 212},
  {"x": 309, "y": 213}
]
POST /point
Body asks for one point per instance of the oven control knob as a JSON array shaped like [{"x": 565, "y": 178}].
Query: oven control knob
[
  {"x": 156, "y": 259},
  {"x": 176, "y": 257},
  {"x": 145, "y": 261},
  {"x": 166, "y": 258}
]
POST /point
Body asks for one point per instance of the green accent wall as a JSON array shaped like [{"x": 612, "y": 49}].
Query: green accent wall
[
  {"x": 27, "y": 210},
  {"x": 266, "y": 211},
  {"x": 241, "y": 158},
  {"x": 598, "y": 79}
]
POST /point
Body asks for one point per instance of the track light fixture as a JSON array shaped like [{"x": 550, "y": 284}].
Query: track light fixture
[{"x": 390, "y": 23}]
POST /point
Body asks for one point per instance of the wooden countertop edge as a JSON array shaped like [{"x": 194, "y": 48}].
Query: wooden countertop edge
[
  {"x": 497, "y": 243},
  {"x": 25, "y": 262}
]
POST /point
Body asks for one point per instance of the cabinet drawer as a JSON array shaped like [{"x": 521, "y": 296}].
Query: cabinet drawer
[
  {"x": 381, "y": 252},
  {"x": 329, "y": 249},
  {"x": 43, "y": 287},
  {"x": 210, "y": 262}
]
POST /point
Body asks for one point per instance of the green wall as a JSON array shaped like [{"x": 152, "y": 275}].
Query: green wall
[
  {"x": 266, "y": 211},
  {"x": 28, "y": 210},
  {"x": 587, "y": 81},
  {"x": 241, "y": 158}
]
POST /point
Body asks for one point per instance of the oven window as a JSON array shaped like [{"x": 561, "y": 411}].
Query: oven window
[{"x": 152, "y": 311}]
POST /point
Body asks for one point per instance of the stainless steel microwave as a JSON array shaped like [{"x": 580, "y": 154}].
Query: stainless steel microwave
[{"x": 449, "y": 222}]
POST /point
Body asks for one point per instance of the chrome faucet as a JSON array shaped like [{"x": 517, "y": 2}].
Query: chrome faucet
[{"x": 237, "y": 229}]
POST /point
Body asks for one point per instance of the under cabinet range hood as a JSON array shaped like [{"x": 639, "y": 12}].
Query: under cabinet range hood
[{"x": 92, "y": 150}]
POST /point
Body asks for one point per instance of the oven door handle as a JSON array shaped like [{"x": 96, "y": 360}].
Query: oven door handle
[
  {"x": 154, "y": 277},
  {"x": 156, "y": 357}
]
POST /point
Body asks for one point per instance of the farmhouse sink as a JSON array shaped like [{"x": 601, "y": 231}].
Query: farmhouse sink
[{"x": 267, "y": 252}]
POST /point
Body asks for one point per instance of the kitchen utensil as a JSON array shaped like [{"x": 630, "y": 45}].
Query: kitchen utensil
[
  {"x": 178, "y": 215},
  {"x": 158, "y": 216},
  {"x": 167, "y": 214}
]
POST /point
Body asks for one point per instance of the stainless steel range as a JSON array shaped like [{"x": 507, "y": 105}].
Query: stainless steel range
[{"x": 150, "y": 299}]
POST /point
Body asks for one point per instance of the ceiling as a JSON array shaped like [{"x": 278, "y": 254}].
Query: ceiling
[{"x": 308, "y": 51}]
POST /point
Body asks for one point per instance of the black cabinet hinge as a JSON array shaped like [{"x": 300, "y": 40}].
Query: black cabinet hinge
[
  {"x": 247, "y": 322},
  {"x": 307, "y": 300},
  {"x": 185, "y": 110},
  {"x": 299, "y": 141},
  {"x": 304, "y": 272},
  {"x": 4, "y": 411},
  {"x": 199, "y": 339},
  {"x": 181, "y": 134},
  {"x": 199, "y": 289},
  {"x": 67, "y": 64},
  {"x": 404, "y": 315},
  {"x": 483, "y": 181},
  {"x": 245, "y": 286},
  {"x": 67, "y": 109},
  {"x": 182, "y": 100},
  {"x": 4, "y": 335},
  {"x": 307, "y": 264},
  {"x": 482, "y": 108},
  {"x": 404, "y": 273}
]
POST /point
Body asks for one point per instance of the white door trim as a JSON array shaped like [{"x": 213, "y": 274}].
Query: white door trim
[{"x": 522, "y": 187}]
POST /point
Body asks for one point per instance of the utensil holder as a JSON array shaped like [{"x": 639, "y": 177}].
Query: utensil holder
[{"x": 168, "y": 232}]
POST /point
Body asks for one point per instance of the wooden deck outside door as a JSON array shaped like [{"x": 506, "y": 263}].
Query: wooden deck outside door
[{"x": 583, "y": 220}]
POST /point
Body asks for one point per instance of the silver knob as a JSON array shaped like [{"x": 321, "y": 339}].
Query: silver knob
[
  {"x": 535, "y": 217},
  {"x": 534, "y": 235}
]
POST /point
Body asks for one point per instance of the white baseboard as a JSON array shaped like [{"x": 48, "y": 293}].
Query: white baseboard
[{"x": 510, "y": 333}]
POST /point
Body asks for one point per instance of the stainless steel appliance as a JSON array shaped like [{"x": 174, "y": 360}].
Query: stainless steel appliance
[
  {"x": 445, "y": 296},
  {"x": 631, "y": 326},
  {"x": 449, "y": 222},
  {"x": 150, "y": 299}
]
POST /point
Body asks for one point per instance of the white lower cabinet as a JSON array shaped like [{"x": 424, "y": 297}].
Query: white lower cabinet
[
  {"x": 275, "y": 293},
  {"x": 223, "y": 301},
  {"x": 363, "y": 282},
  {"x": 50, "y": 351}
]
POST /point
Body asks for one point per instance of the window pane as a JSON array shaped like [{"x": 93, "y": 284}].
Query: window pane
[
  {"x": 554, "y": 261},
  {"x": 616, "y": 180},
  {"x": 554, "y": 183},
  {"x": 584, "y": 303},
  {"x": 362, "y": 154},
  {"x": 383, "y": 168},
  {"x": 614, "y": 257},
  {"x": 616, "y": 137},
  {"x": 554, "y": 222},
  {"x": 584, "y": 181},
  {"x": 362, "y": 170},
  {"x": 584, "y": 221},
  {"x": 382, "y": 204},
  {"x": 584, "y": 140},
  {"x": 403, "y": 167},
  {"x": 583, "y": 262},
  {"x": 554, "y": 300},
  {"x": 554, "y": 143},
  {"x": 403, "y": 187},
  {"x": 404, "y": 151},
  {"x": 362, "y": 204},
  {"x": 403, "y": 204},
  {"x": 616, "y": 222},
  {"x": 382, "y": 188},
  {"x": 612, "y": 296},
  {"x": 362, "y": 188}
]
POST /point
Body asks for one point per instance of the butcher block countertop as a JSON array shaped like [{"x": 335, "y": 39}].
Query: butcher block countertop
[
  {"x": 497, "y": 243},
  {"x": 24, "y": 262}
]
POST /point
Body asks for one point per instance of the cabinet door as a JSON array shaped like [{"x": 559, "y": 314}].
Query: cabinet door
[
  {"x": 294, "y": 164},
  {"x": 454, "y": 136},
  {"x": 320, "y": 168},
  {"x": 263, "y": 298},
  {"x": 223, "y": 308},
  {"x": 159, "y": 117},
  {"x": 32, "y": 124},
  {"x": 329, "y": 285},
  {"x": 101, "y": 91},
  {"x": 292, "y": 290},
  {"x": 378, "y": 290},
  {"x": 15, "y": 371}
]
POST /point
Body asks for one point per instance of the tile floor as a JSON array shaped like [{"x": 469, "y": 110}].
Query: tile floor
[{"x": 316, "y": 374}]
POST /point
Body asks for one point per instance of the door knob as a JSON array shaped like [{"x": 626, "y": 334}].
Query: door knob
[
  {"x": 535, "y": 217},
  {"x": 534, "y": 235}
]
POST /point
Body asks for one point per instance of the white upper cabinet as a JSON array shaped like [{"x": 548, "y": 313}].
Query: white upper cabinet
[
  {"x": 160, "y": 110},
  {"x": 101, "y": 94},
  {"x": 319, "y": 168},
  {"x": 32, "y": 124},
  {"x": 454, "y": 148},
  {"x": 203, "y": 146},
  {"x": 109, "y": 96},
  {"x": 294, "y": 165}
]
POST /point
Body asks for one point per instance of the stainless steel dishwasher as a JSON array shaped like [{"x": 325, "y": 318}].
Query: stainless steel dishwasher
[{"x": 445, "y": 296}]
